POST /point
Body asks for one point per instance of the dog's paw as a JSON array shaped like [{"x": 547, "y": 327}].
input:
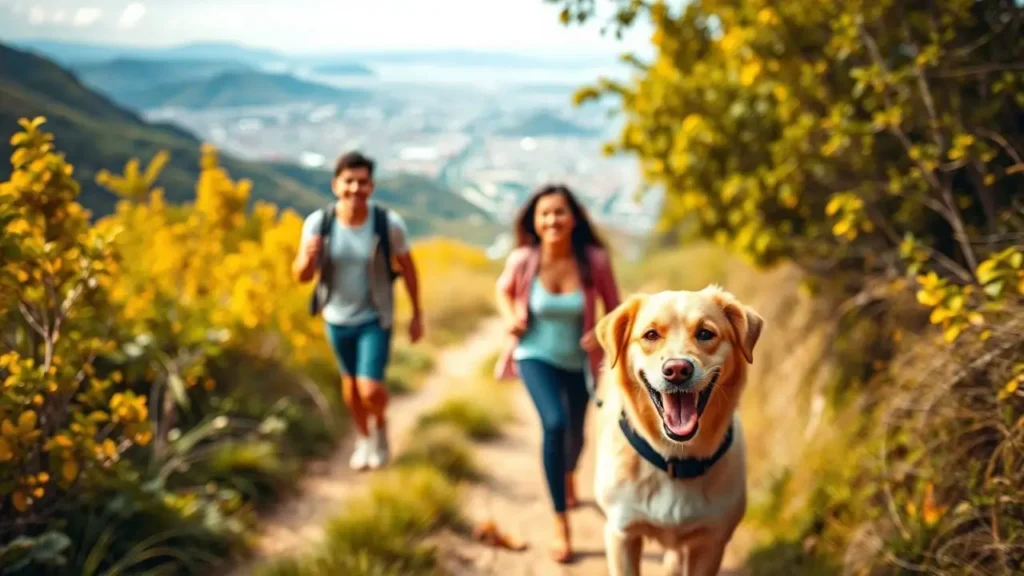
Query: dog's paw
[{"x": 672, "y": 562}]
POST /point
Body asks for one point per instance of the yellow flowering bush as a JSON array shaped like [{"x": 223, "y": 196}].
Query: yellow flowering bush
[
  {"x": 62, "y": 430},
  {"x": 109, "y": 336}
]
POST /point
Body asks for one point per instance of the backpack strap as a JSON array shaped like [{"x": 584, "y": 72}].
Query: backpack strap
[
  {"x": 327, "y": 222},
  {"x": 323, "y": 287},
  {"x": 326, "y": 225},
  {"x": 381, "y": 229}
]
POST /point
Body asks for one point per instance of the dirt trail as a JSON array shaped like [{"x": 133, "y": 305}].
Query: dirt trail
[
  {"x": 297, "y": 523},
  {"x": 516, "y": 498}
]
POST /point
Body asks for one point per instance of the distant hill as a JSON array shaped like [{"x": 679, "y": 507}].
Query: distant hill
[
  {"x": 343, "y": 69},
  {"x": 234, "y": 89},
  {"x": 75, "y": 52},
  {"x": 480, "y": 58},
  {"x": 95, "y": 133},
  {"x": 121, "y": 75},
  {"x": 67, "y": 53},
  {"x": 545, "y": 123}
]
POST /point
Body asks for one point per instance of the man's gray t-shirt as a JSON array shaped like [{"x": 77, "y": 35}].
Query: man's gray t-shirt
[{"x": 349, "y": 250}]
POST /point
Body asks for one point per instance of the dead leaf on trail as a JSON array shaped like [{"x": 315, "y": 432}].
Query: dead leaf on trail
[{"x": 488, "y": 533}]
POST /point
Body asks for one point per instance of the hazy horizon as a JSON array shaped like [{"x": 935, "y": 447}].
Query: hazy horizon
[{"x": 529, "y": 27}]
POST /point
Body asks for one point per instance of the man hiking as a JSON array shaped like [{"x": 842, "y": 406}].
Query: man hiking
[{"x": 352, "y": 247}]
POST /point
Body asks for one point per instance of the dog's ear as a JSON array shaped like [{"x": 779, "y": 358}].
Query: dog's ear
[
  {"x": 746, "y": 323},
  {"x": 613, "y": 329}
]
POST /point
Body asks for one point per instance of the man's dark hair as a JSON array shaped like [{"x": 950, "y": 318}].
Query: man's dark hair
[{"x": 353, "y": 160}]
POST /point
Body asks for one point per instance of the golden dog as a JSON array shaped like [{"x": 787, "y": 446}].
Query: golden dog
[{"x": 670, "y": 454}]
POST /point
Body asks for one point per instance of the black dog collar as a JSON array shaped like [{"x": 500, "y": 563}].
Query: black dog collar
[{"x": 677, "y": 468}]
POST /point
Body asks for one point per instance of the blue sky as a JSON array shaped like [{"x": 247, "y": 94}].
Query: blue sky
[{"x": 528, "y": 26}]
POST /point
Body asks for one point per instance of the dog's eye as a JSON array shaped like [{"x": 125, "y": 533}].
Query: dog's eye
[
  {"x": 704, "y": 334},
  {"x": 651, "y": 335}
]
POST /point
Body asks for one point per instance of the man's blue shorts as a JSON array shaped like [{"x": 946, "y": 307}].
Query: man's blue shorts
[{"x": 362, "y": 349}]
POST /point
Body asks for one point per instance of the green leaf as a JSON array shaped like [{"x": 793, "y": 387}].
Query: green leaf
[
  {"x": 177, "y": 387},
  {"x": 995, "y": 289},
  {"x": 47, "y": 549}
]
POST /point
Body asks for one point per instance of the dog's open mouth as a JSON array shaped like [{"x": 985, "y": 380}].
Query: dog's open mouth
[{"x": 680, "y": 410}]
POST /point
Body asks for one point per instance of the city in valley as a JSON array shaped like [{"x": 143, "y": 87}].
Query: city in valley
[{"x": 488, "y": 133}]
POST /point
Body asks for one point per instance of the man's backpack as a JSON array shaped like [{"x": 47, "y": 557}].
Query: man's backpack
[{"x": 380, "y": 230}]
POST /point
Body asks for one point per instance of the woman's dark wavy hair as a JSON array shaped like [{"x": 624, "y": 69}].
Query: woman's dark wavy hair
[{"x": 583, "y": 233}]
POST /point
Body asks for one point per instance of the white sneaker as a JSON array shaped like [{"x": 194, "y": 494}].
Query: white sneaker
[
  {"x": 379, "y": 452},
  {"x": 360, "y": 455}
]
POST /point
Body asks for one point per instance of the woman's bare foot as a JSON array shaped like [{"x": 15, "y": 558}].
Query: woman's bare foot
[
  {"x": 562, "y": 551},
  {"x": 570, "y": 491}
]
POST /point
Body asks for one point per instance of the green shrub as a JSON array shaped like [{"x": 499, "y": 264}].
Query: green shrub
[
  {"x": 407, "y": 368},
  {"x": 478, "y": 415},
  {"x": 445, "y": 448},
  {"x": 381, "y": 534}
]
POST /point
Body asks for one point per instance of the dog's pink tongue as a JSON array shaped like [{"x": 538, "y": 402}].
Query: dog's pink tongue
[{"x": 680, "y": 412}]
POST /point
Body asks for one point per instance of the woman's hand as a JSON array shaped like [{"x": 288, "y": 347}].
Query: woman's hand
[
  {"x": 517, "y": 327},
  {"x": 589, "y": 342}
]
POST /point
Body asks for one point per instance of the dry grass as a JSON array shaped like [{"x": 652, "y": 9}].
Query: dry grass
[
  {"x": 386, "y": 532},
  {"x": 382, "y": 533},
  {"x": 446, "y": 448},
  {"x": 479, "y": 414},
  {"x": 456, "y": 289},
  {"x": 950, "y": 468},
  {"x": 456, "y": 292}
]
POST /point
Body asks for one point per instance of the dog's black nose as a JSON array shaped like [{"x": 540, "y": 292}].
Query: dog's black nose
[{"x": 676, "y": 370}]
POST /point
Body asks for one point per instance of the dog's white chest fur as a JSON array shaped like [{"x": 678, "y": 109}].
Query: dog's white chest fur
[{"x": 654, "y": 499}]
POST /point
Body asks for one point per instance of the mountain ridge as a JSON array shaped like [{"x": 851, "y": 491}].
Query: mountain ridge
[
  {"x": 238, "y": 89},
  {"x": 69, "y": 51},
  {"x": 95, "y": 133}
]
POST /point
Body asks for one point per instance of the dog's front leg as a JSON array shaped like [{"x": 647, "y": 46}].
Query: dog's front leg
[
  {"x": 705, "y": 559},
  {"x": 623, "y": 552},
  {"x": 675, "y": 561}
]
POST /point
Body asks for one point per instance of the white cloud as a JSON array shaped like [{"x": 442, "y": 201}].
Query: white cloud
[
  {"x": 59, "y": 16},
  {"x": 132, "y": 15},
  {"x": 36, "y": 15},
  {"x": 86, "y": 16}
]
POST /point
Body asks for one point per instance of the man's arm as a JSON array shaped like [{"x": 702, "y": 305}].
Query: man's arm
[
  {"x": 304, "y": 267},
  {"x": 410, "y": 276},
  {"x": 411, "y": 280}
]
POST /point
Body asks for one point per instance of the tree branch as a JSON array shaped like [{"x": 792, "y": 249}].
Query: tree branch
[
  {"x": 72, "y": 296},
  {"x": 958, "y": 229},
  {"x": 926, "y": 95},
  {"x": 981, "y": 69},
  {"x": 1002, "y": 142},
  {"x": 950, "y": 265},
  {"x": 952, "y": 213},
  {"x": 61, "y": 311},
  {"x": 974, "y": 171},
  {"x": 32, "y": 321}
]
